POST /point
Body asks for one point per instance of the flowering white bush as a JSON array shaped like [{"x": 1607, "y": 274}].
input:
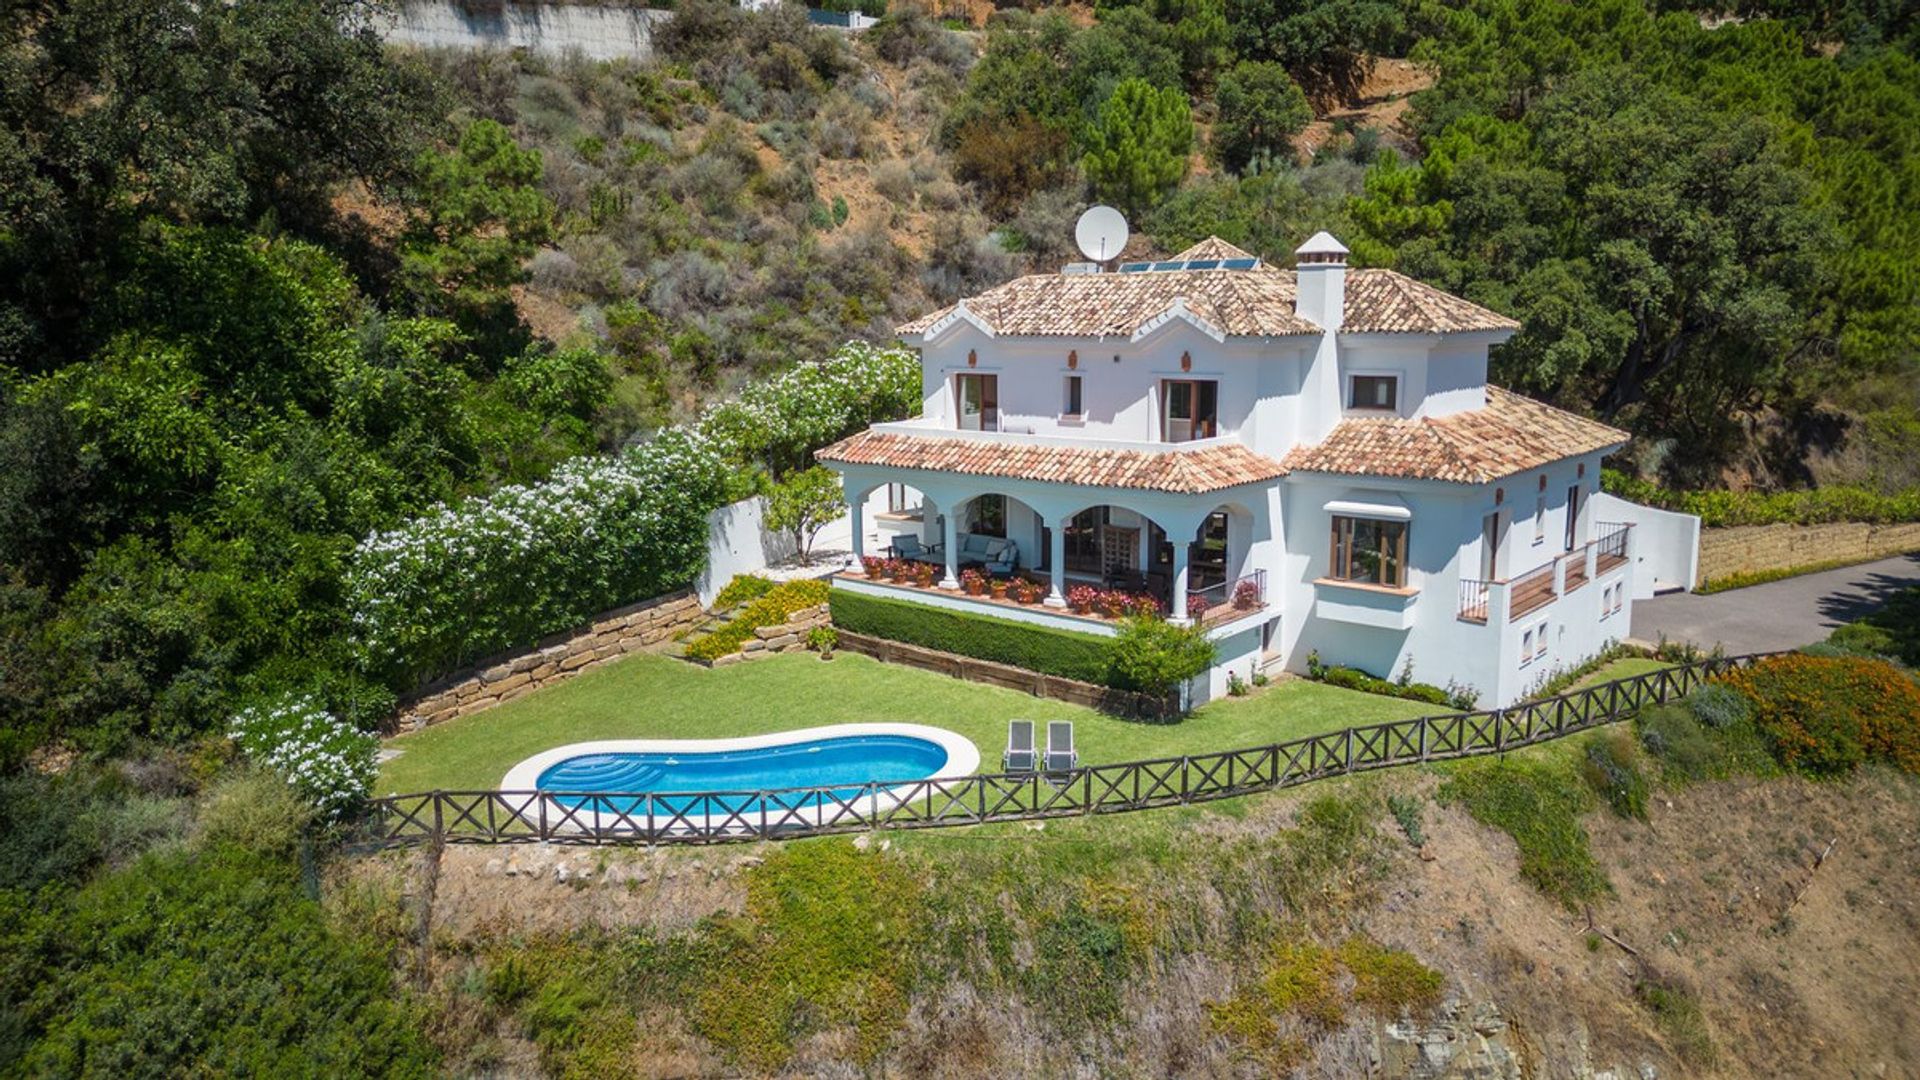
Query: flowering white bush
[
  {"x": 328, "y": 761},
  {"x": 505, "y": 569}
]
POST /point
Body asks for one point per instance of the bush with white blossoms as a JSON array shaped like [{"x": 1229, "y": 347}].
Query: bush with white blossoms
[
  {"x": 328, "y": 761},
  {"x": 503, "y": 570}
]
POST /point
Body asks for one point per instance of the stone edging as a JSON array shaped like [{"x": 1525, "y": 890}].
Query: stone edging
[
  {"x": 637, "y": 627},
  {"x": 789, "y": 636}
]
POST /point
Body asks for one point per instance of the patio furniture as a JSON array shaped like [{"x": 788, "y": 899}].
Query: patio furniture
[
  {"x": 996, "y": 554},
  {"x": 911, "y": 548},
  {"x": 1020, "y": 756},
  {"x": 1061, "y": 756}
]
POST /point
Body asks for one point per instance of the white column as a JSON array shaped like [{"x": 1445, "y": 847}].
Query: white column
[
  {"x": 1179, "y": 612},
  {"x": 950, "y": 539},
  {"x": 1057, "y": 560},
  {"x": 856, "y": 509}
]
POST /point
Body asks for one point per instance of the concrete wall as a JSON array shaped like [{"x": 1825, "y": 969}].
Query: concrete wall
[
  {"x": 1668, "y": 542},
  {"x": 738, "y": 542},
  {"x": 648, "y": 624},
  {"x": 599, "y": 33},
  {"x": 1750, "y": 548}
]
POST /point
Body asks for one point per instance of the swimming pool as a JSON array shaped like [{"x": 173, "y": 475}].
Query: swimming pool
[{"x": 654, "y": 778}]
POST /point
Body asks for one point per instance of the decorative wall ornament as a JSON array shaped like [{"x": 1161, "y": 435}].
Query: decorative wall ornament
[
  {"x": 1073, "y": 364},
  {"x": 1499, "y": 495},
  {"x": 1186, "y": 361},
  {"x": 973, "y": 360}
]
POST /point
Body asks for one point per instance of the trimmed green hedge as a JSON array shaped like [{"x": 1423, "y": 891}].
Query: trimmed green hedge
[
  {"x": 1818, "y": 506},
  {"x": 1056, "y": 652}
]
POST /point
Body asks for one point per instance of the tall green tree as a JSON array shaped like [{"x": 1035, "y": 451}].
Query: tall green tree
[
  {"x": 477, "y": 215},
  {"x": 1137, "y": 151},
  {"x": 1261, "y": 109}
]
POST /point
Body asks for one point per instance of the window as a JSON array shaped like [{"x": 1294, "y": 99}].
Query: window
[
  {"x": 1540, "y": 519},
  {"x": 1573, "y": 514},
  {"x": 979, "y": 399},
  {"x": 1619, "y": 595},
  {"x": 1526, "y": 647},
  {"x": 1540, "y": 641},
  {"x": 1374, "y": 392},
  {"x": 897, "y": 499},
  {"x": 989, "y": 516},
  {"x": 1191, "y": 410},
  {"x": 1369, "y": 552},
  {"x": 1072, "y": 405}
]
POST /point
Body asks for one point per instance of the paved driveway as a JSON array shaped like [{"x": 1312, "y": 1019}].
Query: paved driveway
[{"x": 1779, "y": 615}]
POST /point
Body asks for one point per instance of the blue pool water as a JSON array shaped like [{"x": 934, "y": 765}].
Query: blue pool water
[{"x": 841, "y": 764}]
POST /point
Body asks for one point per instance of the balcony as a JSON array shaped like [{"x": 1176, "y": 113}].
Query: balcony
[
  {"x": 1526, "y": 593},
  {"x": 1098, "y": 613},
  {"x": 1011, "y": 435}
]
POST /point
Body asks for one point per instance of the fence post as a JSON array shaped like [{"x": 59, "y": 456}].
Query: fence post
[
  {"x": 1346, "y": 750},
  {"x": 1424, "y": 725},
  {"x": 1499, "y": 729},
  {"x": 439, "y": 830},
  {"x": 540, "y": 801}
]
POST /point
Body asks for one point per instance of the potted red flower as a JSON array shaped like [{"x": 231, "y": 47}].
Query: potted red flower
[
  {"x": 973, "y": 581},
  {"x": 1246, "y": 595},
  {"x": 1197, "y": 606},
  {"x": 1081, "y": 598},
  {"x": 923, "y": 574},
  {"x": 1028, "y": 592},
  {"x": 874, "y": 565}
]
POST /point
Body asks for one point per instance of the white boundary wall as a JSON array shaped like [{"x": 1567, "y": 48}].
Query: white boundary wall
[
  {"x": 1667, "y": 544},
  {"x": 598, "y": 33},
  {"x": 738, "y": 542}
]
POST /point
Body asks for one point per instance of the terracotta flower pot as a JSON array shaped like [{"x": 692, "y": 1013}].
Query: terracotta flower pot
[
  {"x": 999, "y": 590},
  {"x": 975, "y": 588}
]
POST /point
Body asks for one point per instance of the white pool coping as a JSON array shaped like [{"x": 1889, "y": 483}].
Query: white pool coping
[{"x": 963, "y": 759}]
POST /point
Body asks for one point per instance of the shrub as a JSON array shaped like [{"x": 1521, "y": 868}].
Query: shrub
[
  {"x": 1826, "y": 716},
  {"x": 803, "y": 504},
  {"x": 1391, "y": 981},
  {"x": 1355, "y": 679},
  {"x": 253, "y": 810},
  {"x": 1893, "y": 631},
  {"x": 1813, "y": 507},
  {"x": 207, "y": 963},
  {"x": 1406, "y": 809},
  {"x": 1084, "y": 657},
  {"x": 742, "y": 588},
  {"x": 1610, "y": 770},
  {"x": 329, "y": 762},
  {"x": 775, "y": 607},
  {"x": 1538, "y": 804},
  {"x": 1719, "y": 706},
  {"x": 1157, "y": 657},
  {"x": 1677, "y": 1011},
  {"x": 822, "y": 639}
]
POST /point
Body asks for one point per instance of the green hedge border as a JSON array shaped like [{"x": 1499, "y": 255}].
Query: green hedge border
[{"x": 1086, "y": 657}]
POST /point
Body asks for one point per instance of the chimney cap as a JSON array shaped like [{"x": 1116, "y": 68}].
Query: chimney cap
[{"x": 1323, "y": 248}]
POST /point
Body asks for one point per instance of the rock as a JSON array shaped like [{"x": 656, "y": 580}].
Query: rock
[
  {"x": 561, "y": 873},
  {"x": 860, "y": 842},
  {"x": 493, "y": 867},
  {"x": 513, "y": 868}
]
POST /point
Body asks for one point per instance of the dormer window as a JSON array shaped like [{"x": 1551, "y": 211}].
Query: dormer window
[{"x": 1376, "y": 393}]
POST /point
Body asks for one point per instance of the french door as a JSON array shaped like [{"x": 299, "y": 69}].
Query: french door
[
  {"x": 1191, "y": 410},
  {"x": 979, "y": 397}
]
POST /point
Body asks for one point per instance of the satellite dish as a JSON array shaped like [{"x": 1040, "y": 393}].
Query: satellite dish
[{"x": 1101, "y": 232}]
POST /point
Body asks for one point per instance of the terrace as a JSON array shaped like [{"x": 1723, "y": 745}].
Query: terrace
[
  {"x": 1511, "y": 598},
  {"x": 1091, "y": 605}
]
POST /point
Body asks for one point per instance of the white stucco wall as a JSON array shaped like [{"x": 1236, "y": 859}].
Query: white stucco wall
[
  {"x": 1669, "y": 544},
  {"x": 598, "y": 33}
]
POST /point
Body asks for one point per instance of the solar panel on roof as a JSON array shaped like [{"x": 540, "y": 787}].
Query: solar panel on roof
[
  {"x": 1240, "y": 264},
  {"x": 1202, "y": 264},
  {"x": 1172, "y": 264},
  {"x": 1134, "y": 268}
]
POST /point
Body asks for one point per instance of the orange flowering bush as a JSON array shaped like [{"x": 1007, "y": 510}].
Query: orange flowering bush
[{"x": 1826, "y": 715}]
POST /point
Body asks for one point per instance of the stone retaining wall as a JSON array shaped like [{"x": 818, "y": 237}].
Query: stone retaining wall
[
  {"x": 649, "y": 624},
  {"x": 1752, "y": 548},
  {"x": 789, "y": 636}
]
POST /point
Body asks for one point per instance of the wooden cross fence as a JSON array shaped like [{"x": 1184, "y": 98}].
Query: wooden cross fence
[{"x": 720, "y": 816}]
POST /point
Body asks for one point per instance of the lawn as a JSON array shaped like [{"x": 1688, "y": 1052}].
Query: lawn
[
  {"x": 1624, "y": 668},
  {"x": 651, "y": 696}
]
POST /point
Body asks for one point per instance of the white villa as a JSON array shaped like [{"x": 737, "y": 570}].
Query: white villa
[{"x": 1314, "y": 451}]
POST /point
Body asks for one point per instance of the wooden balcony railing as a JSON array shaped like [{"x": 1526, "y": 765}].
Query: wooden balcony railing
[{"x": 1550, "y": 580}]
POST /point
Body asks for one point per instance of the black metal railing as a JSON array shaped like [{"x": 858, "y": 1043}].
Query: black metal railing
[
  {"x": 1231, "y": 599},
  {"x": 720, "y": 816}
]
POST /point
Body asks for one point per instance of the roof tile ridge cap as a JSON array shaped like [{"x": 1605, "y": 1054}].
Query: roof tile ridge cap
[{"x": 1414, "y": 291}]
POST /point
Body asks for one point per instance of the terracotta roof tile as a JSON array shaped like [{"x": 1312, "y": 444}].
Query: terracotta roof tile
[
  {"x": 1186, "y": 472},
  {"x": 1512, "y": 434},
  {"x": 1239, "y": 303},
  {"x": 1387, "y": 302}
]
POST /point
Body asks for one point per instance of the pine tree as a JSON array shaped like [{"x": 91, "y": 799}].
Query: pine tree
[{"x": 1137, "y": 149}]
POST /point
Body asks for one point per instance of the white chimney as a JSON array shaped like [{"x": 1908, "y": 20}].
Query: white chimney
[{"x": 1321, "y": 268}]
